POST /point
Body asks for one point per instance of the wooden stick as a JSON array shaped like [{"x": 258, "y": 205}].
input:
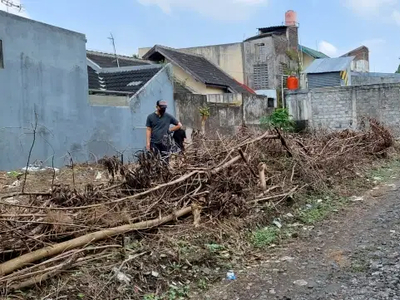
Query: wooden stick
[
  {"x": 261, "y": 171},
  {"x": 275, "y": 196},
  {"x": 261, "y": 137},
  {"x": 225, "y": 165},
  {"x": 246, "y": 160},
  {"x": 43, "y": 277},
  {"x": 19, "y": 262}
]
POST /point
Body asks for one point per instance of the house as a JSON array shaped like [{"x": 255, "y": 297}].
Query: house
[
  {"x": 43, "y": 79},
  {"x": 327, "y": 72},
  {"x": 308, "y": 55},
  {"x": 360, "y": 62},
  {"x": 258, "y": 62},
  {"x": 195, "y": 73}
]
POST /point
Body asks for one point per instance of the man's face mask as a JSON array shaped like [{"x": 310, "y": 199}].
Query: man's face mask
[{"x": 162, "y": 110}]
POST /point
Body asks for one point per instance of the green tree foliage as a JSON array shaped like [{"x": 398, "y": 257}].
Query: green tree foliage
[{"x": 280, "y": 118}]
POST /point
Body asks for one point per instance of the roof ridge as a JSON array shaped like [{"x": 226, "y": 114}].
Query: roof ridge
[
  {"x": 106, "y": 54},
  {"x": 180, "y": 51}
]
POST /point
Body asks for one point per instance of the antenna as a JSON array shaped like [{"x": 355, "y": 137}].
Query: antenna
[
  {"x": 10, "y": 3},
  {"x": 113, "y": 43}
]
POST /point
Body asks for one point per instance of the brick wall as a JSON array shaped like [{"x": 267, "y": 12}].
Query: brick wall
[{"x": 343, "y": 107}]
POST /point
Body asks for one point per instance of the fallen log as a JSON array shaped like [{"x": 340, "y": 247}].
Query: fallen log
[{"x": 19, "y": 262}]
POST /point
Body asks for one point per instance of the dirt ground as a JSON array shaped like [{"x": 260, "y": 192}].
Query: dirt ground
[{"x": 354, "y": 254}]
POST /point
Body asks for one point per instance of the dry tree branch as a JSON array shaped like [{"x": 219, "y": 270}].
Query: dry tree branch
[
  {"x": 30, "y": 151},
  {"x": 19, "y": 262}
]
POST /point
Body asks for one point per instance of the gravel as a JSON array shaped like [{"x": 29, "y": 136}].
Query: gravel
[{"x": 354, "y": 255}]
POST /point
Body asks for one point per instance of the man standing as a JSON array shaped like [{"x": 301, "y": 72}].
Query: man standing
[{"x": 158, "y": 129}]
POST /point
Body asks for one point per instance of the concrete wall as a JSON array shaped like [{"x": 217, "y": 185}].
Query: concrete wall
[
  {"x": 374, "y": 78},
  {"x": 44, "y": 71},
  {"x": 256, "y": 53},
  {"x": 229, "y": 57},
  {"x": 271, "y": 50},
  {"x": 225, "y": 118},
  {"x": 343, "y": 107}
]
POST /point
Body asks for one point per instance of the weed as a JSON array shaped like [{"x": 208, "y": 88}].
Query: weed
[
  {"x": 359, "y": 265},
  {"x": 214, "y": 247},
  {"x": 319, "y": 209},
  {"x": 265, "y": 236},
  {"x": 203, "y": 284},
  {"x": 151, "y": 297},
  {"x": 385, "y": 171},
  {"x": 279, "y": 118},
  {"x": 81, "y": 296},
  {"x": 14, "y": 174},
  {"x": 178, "y": 293}
]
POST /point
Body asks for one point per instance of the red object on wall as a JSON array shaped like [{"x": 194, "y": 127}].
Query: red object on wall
[{"x": 292, "y": 83}]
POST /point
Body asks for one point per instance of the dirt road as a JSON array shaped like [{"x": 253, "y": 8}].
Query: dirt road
[{"x": 353, "y": 255}]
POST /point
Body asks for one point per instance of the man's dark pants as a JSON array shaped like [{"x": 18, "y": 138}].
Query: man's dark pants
[{"x": 159, "y": 148}]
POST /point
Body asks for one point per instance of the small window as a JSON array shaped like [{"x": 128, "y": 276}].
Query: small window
[
  {"x": 260, "y": 76},
  {"x": 1, "y": 55},
  {"x": 271, "y": 102}
]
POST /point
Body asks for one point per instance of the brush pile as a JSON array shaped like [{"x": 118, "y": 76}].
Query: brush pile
[{"x": 44, "y": 233}]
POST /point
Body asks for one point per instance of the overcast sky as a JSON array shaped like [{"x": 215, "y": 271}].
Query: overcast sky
[{"x": 331, "y": 26}]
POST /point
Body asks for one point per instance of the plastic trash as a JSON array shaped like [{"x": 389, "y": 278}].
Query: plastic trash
[
  {"x": 36, "y": 169},
  {"x": 277, "y": 223},
  {"x": 99, "y": 175},
  {"x": 230, "y": 275},
  {"x": 121, "y": 276}
]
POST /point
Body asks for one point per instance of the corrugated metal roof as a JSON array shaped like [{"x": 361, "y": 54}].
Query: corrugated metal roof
[
  {"x": 327, "y": 65},
  {"x": 311, "y": 52}
]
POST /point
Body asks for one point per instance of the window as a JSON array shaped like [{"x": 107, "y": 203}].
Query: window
[
  {"x": 260, "y": 75},
  {"x": 260, "y": 52},
  {"x": 271, "y": 102},
  {"x": 1, "y": 55}
]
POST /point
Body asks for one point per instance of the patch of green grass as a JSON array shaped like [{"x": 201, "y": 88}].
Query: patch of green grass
[
  {"x": 214, "y": 247},
  {"x": 178, "y": 293},
  {"x": 202, "y": 284},
  {"x": 385, "y": 171},
  {"x": 264, "y": 237},
  {"x": 320, "y": 208},
  {"x": 151, "y": 297},
  {"x": 359, "y": 265},
  {"x": 14, "y": 174}
]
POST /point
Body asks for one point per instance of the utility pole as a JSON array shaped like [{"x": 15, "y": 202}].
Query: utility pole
[{"x": 115, "y": 50}]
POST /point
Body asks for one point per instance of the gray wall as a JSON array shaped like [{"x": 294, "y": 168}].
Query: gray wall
[
  {"x": 225, "y": 118},
  {"x": 45, "y": 71},
  {"x": 118, "y": 129},
  {"x": 343, "y": 107},
  {"x": 374, "y": 78}
]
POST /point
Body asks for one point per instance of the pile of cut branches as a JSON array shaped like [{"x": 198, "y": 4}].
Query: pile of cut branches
[{"x": 45, "y": 233}]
